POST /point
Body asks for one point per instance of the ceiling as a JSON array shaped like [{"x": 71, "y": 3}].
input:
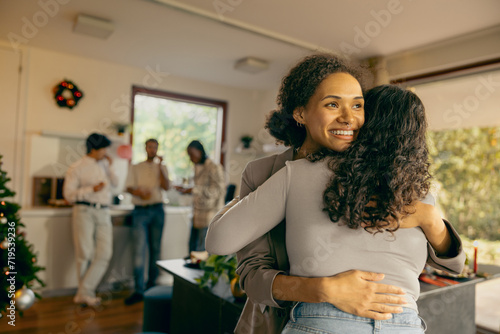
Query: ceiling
[{"x": 150, "y": 33}]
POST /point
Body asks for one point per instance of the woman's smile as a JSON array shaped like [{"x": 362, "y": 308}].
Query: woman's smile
[{"x": 343, "y": 134}]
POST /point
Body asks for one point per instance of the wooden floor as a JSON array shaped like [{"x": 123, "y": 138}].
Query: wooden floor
[{"x": 58, "y": 315}]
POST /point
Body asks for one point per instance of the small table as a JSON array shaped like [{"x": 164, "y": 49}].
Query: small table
[
  {"x": 488, "y": 299},
  {"x": 200, "y": 311},
  {"x": 449, "y": 309}
]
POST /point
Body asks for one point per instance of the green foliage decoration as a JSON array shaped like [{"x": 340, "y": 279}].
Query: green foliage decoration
[
  {"x": 216, "y": 267},
  {"x": 466, "y": 169},
  {"x": 18, "y": 259}
]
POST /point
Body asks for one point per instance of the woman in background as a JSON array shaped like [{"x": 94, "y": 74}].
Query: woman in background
[{"x": 208, "y": 193}]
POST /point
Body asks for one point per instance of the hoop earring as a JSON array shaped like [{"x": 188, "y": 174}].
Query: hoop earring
[{"x": 299, "y": 124}]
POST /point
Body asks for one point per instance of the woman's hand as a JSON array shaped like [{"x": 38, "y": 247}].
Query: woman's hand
[{"x": 354, "y": 291}]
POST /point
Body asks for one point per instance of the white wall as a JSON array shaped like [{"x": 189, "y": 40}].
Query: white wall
[
  {"x": 9, "y": 83},
  {"x": 463, "y": 50},
  {"x": 456, "y": 100},
  {"x": 107, "y": 98}
]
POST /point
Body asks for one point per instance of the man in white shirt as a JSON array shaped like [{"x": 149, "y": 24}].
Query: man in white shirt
[
  {"x": 88, "y": 186},
  {"x": 145, "y": 182}
]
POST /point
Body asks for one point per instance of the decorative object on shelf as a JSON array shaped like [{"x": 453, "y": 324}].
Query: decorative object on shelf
[
  {"x": 246, "y": 140},
  {"x": 215, "y": 267},
  {"x": 22, "y": 271},
  {"x": 124, "y": 151},
  {"x": 24, "y": 298},
  {"x": 120, "y": 128},
  {"x": 67, "y": 94}
]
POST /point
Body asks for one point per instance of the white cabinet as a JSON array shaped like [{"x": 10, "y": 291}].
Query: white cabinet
[
  {"x": 50, "y": 232},
  {"x": 175, "y": 237}
]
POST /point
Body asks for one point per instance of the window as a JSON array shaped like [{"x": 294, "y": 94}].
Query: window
[
  {"x": 467, "y": 174},
  {"x": 464, "y": 146},
  {"x": 175, "y": 120}
]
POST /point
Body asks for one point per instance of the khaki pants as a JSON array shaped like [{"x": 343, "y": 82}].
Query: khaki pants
[{"x": 93, "y": 239}]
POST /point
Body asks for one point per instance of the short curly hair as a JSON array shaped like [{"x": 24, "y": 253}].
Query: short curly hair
[
  {"x": 96, "y": 141},
  {"x": 387, "y": 164},
  {"x": 298, "y": 87}
]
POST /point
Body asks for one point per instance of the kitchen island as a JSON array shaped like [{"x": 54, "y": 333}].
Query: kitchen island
[
  {"x": 446, "y": 310},
  {"x": 49, "y": 230}
]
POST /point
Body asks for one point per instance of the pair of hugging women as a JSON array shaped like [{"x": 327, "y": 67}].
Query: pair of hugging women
[{"x": 355, "y": 196}]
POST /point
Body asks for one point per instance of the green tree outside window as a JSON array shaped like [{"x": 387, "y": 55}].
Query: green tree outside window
[
  {"x": 174, "y": 124},
  {"x": 466, "y": 168}
]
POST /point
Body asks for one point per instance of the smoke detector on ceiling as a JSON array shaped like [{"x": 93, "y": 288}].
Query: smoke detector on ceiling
[
  {"x": 251, "y": 65},
  {"x": 93, "y": 26}
]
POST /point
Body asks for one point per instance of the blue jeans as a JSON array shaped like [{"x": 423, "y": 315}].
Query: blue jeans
[
  {"x": 197, "y": 239},
  {"x": 325, "y": 318},
  {"x": 147, "y": 228}
]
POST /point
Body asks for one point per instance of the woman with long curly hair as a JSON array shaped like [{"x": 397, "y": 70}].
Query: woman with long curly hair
[
  {"x": 372, "y": 216},
  {"x": 387, "y": 166}
]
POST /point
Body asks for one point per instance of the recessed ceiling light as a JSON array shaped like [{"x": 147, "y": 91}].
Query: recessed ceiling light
[
  {"x": 93, "y": 26},
  {"x": 251, "y": 65}
]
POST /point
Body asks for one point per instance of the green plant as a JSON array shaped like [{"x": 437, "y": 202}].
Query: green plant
[
  {"x": 18, "y": 259},
  {"x": 120, "y": 127},
  {"x": 215, "y": 267},
  {"x": 246, "y": 140},
  {"x": 466, "y": 170}
]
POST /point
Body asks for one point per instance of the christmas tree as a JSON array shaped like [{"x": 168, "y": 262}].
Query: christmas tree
[{"x": 17, "y": 260}]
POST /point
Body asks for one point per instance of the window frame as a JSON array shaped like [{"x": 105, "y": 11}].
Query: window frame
[{"x": 183, "y": 98}]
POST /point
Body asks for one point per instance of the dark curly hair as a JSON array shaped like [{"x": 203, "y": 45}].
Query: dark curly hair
[
  {"x": 298, "y": 87},
  {"x": 387, "y": 165},
  {"x": 97, "y": 141},
  {"x": 196, "y": 144}
]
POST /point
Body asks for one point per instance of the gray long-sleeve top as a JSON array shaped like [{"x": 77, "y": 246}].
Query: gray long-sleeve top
[{"x": 317, "y": 247}]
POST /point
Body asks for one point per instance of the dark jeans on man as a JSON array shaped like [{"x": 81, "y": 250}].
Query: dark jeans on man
[
  {"x": 197, "y": 239},
  {"x": 147, "y": 228}
]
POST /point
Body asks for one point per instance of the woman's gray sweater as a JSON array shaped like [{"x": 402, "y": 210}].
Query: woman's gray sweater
[{"x": 316, "y": 246}]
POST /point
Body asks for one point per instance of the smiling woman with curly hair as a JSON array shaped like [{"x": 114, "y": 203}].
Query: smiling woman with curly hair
[
  {"x": 296, "y": 91},
  {"x": 387, "y": 166}
]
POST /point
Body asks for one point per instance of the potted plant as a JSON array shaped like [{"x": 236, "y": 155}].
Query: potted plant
[
  {"x": 246, "y": 140},
  {"x": 120, "y": 127},
  {"x": 220, "y": 266}
]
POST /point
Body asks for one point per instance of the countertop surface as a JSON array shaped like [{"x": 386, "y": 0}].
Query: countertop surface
[{"x": 115, "y": 210}]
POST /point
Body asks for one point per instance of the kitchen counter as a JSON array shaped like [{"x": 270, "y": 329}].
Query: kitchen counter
[
  {"x": 115, "y": 210},
  {"x": 49, "y": 229}
]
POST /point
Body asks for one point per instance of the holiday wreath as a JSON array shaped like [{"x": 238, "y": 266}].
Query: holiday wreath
[{"x": 62, "y": 94}]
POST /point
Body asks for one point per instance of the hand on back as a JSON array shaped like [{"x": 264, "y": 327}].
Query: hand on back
[{"x": 357, "y": 292}]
